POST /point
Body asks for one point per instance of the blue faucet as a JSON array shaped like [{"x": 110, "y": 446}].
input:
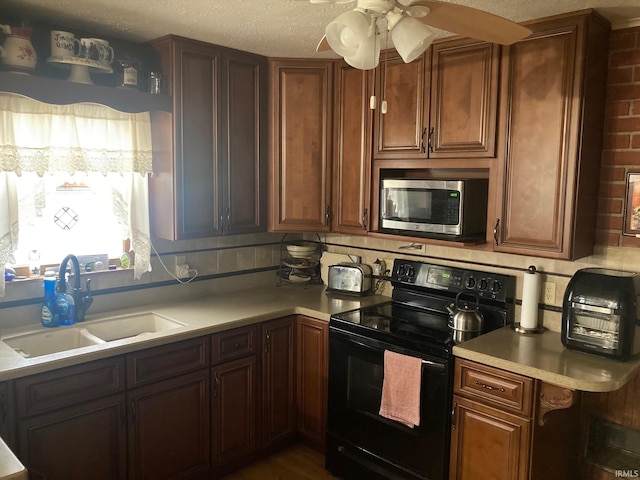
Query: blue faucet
[{"x": 82, "y": 302}]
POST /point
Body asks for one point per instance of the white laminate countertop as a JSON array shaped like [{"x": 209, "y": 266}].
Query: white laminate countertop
[{"x": 542, "y": 356}]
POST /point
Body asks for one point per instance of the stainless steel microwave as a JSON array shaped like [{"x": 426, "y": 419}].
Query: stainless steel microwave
[{"x": 449, "y": 208}]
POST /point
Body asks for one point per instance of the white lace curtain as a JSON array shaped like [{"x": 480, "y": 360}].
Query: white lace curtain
[{"x": 44, "y": 138}]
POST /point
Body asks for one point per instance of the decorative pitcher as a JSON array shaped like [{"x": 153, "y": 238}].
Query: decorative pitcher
[{"x": 17, "y": 52}]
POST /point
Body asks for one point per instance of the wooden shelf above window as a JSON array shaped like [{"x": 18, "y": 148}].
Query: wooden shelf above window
[{"x": 64, "y": 92}]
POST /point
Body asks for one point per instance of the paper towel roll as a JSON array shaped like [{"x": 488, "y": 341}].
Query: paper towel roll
[{"x": 530, "y": 295}]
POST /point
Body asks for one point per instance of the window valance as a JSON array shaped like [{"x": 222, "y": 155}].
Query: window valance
[{"x": 39, "y": 137}]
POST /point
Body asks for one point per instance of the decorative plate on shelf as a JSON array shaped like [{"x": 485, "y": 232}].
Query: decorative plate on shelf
[
  {"x": 294, "y": 262},
  {"x": 298, "y": 277}
]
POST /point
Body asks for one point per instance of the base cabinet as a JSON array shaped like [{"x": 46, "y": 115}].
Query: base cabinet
[
  {"x": 82, "y": 441},
  {"x": 235, "y": 395},
  {"x": 168, "y": 432},
  {"x": 196, "y": 408},
  {"x": 507, "y": 426},
  {"x": 278, "y": 381},
  {"x": 312, "y": 369},
  {"x": 488, "y": 444}
]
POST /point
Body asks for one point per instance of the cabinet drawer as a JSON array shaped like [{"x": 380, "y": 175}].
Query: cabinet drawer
[
  {"x": 167, "y": 361},
  {"x": 493, "y": 386},
  {"x": 68, "y": 386},
  {"x": 232, "y": 344}
]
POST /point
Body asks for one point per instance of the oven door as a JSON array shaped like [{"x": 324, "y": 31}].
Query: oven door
[{"x": 363, "y": 444}]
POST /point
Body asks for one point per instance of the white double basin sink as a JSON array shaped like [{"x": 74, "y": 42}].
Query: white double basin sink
[{"x": 94, "y": 332}]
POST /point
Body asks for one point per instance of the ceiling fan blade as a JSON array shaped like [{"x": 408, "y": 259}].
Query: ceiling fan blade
[
  {"x": 323, "y": 45},
  {"x": 470, "y": 22}
]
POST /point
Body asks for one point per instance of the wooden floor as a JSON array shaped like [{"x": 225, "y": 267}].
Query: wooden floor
[{"x": 298, "y": 462}]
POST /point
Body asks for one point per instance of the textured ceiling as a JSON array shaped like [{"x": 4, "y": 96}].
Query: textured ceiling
[{"x": 275, "y": 28}]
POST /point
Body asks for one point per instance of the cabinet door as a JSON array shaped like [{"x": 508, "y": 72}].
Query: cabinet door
[
  {"x": 402, "y": 131},
  {"x": 312, "y": 366},
  {"x": 84, "y": 441},
  {"x": 245, "y": 154},
  {"x": 301, "y": 101},
  {"x": 464, "y": 99},
  {"x": 7, "y": 418},
  {"x": 553, "y": 109},
  {"x": 235, "y": 409},
  {"x": 169, "y": 428},
  {"x": 352, "y": 150},
  {"x": 488, "y": 444},
  {"x": 185, "y": 197},
  {"x": 278, "y": 385}
]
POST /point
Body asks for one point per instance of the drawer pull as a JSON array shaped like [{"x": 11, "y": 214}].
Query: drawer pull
[
  {"x": 236, "y": 345},
  {"x": 489, "y": 387}
]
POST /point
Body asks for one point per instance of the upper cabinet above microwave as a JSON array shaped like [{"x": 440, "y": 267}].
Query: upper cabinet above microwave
[{"x": 442, "y": 105}]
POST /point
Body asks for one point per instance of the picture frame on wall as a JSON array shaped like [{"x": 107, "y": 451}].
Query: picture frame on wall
[{"x": 632, "y": 205}]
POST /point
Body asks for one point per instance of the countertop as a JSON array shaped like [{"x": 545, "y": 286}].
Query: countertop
[
  {"x": 203, "y": 316},
  {"x": 542, "y": 356},
  {"x": 539, "y": 356}
]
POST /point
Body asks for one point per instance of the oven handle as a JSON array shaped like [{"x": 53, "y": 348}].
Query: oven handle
[{"x": 378, "y": 346}]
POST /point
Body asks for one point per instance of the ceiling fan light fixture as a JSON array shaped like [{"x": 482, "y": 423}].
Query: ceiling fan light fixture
[
  {"x": 347, "y": 32},
  {"x": 368, "y": 55},
  {"x": 411, "y": 37}
]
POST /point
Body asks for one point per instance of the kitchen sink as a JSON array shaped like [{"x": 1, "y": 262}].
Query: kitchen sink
[
  {"x": 44, "y": 343},
  {"x": 94, "y": 332},
  {"x": 127, "y": 326}
]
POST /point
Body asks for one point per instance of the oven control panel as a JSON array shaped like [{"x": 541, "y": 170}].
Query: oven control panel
[{"x": 440, "y": 277}]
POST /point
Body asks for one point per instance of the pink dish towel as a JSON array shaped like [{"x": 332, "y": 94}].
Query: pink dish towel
[{"x": 401, "y": 388}]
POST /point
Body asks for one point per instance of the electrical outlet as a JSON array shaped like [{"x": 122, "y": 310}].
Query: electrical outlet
[
  {"x": 549, "y": 293},
  {"x": 181, "y": 267}
]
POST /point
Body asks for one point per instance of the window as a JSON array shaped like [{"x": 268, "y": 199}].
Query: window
[
  {"x": 60, "y": 214},
  {"x": 73, "y": 178}
]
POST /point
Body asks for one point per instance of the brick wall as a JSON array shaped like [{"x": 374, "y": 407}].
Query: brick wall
[{"x": 621, "y": 152}]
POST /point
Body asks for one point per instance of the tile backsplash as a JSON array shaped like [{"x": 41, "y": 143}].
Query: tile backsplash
[
  {"x": 251, "y": 259},
  {"x": 558, "y": 272}
]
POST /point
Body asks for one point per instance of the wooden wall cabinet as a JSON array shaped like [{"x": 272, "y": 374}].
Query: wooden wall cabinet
[
  {"x": 442, "y": 105},
  {"x": 464, "y": 99},
  {"x": 353, "y": 119},
  {"x": 301, "y": 145},
  {"x": 552, "y": 111},
  {"x": 402, "y": 132},
  {"x": 210, "y": 153}
]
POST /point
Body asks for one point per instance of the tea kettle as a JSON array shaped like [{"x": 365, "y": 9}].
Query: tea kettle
[{"x": 466, "y": 321}]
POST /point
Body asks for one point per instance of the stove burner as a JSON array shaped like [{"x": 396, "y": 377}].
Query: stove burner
[{"x": 376, "y": 322}]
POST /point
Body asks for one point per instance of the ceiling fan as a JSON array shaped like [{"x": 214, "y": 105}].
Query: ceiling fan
[{"x": 355, "y": 34}]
